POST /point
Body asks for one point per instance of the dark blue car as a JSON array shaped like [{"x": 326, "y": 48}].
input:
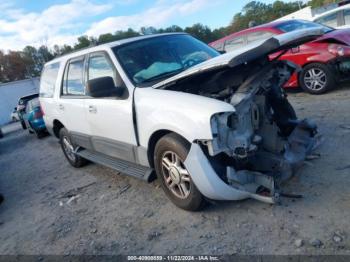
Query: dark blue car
[{"x": 33, "y": 118}]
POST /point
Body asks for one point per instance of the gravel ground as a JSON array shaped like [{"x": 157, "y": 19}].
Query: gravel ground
[{"x": 52, "y": 208}]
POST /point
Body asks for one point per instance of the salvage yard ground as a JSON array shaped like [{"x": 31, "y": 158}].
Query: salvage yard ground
[{"x": 52, "y": 208}]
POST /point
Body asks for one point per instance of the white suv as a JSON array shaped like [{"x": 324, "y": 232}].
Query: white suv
[{"x": 211, "y": 126}]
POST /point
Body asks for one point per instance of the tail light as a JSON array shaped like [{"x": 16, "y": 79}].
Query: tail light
[{"x": 38, "y": 114}]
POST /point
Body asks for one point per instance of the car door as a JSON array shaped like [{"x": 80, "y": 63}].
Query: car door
[
  {"x": 72, "y": 101},
  {"x": 110, "y": 119}
]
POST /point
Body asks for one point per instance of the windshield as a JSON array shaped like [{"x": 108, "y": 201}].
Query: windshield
[
  {"x": 154, "y": 59},
  {"x": 301, "y": 24}
]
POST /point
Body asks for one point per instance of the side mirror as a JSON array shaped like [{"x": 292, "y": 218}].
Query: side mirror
[{"x": 103, "y": 87}]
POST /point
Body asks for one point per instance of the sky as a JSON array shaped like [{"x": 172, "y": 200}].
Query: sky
[{"x": 50, "y": 22}]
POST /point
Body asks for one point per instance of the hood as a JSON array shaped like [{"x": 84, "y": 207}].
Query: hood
[
  {"x": 248, "y": 53},
  {"x": 339, "y": 35}
]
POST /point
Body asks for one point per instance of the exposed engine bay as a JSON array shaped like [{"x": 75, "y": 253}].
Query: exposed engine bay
[{"x": 262, "y": 143}]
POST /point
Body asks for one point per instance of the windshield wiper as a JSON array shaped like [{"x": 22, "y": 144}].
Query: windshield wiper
[{"x": 162, "y": 75}]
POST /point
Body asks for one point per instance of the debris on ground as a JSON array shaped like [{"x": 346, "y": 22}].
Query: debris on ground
[
  {"x": 124, "y": 189},
  {"x": 345, "y": 127},
  {"x": 153, "y": 235},
  {"x": 76, "y": 191},
  {"x": 343, "y": 168},
  {"x": 313, "y": 156},
  {"x": 337, "y": 239},
  {"x": 338, "y": 236},
  {"x": 299, "y": 243},
  {"x": 72, "y": 199},
  {"x": 316, "y": 242}
]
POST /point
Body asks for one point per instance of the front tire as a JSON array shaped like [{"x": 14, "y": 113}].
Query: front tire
[
  {"x": 68, "y": 150},
  {"x": 170, "y": 154},
  {"x": 316, "y": 79}
]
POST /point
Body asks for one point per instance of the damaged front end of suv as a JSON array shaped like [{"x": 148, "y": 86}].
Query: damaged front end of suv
[
  {"x": 259, "y": 144},
  {"x": 262, "y": 143}
]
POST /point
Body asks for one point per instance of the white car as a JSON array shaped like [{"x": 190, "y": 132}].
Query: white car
[
  {"x": 14, "y": 115},
  {"x": 336, "y": 18},
  {"x": 210, "y": 126}
]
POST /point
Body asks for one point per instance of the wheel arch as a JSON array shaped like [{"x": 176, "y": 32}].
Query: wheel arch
[
  {"x": 155, "y": 137},
  {"x": 57, "y": 125}
]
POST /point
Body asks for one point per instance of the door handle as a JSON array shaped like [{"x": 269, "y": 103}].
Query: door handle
[
  {"x": 61, "y": 107},
  {"x": 92, "y": 109}
]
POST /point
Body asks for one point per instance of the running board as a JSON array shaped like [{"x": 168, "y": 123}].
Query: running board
[{"x": 122, "y": 166}]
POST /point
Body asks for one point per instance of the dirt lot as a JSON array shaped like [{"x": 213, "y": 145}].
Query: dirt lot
[{"x": 52, "y": 208}]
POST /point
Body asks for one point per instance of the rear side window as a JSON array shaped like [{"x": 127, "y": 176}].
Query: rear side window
[
  {"x": 234, "y": 43},
  {"x": 73, "y": 78},
  {"x": 219, "y": 46},
  {"x": 258, "y": 36},
  {"x": 48, "y": 80}
]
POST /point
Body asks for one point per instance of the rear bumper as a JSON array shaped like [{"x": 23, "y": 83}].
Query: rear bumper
[
  {"x": 341, "y": 68},
  {"x": 38, "y": 124}
]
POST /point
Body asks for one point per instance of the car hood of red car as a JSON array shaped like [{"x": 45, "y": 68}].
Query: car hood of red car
[
  {"x": 341, "y": 35},
  {"x": 248, "y": 53}
]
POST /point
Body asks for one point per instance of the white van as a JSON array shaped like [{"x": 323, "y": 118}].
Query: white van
[
  {"x": 211, "y": 126},
  {"x": 336, "y": 18}
]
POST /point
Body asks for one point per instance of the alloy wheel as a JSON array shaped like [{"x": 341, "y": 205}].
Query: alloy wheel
[
  {"x": 175, "y": 174},
  {"x": 315, "y": 79},
  {"x": 68, "y": 148}
]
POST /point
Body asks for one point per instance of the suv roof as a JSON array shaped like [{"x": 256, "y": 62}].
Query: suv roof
[{"x": 110, "y": 45}]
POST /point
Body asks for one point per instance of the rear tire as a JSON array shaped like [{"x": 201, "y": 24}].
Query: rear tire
[
  {"x": 23, "y": 124},
  {"x": 316, "y": 79},
  {"x": 170, "y": 154},
  {"x": 40, "y": 134},
  {"x": 68, "y": 150}
]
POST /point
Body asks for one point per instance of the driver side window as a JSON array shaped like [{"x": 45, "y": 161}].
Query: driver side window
[{"x": 101, "y": 66}]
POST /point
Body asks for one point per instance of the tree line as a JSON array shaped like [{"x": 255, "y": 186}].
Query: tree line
[{"x": 27, "y": 63}]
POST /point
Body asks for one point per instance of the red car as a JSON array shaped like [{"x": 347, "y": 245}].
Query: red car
[{"x": 324, "y": 62}]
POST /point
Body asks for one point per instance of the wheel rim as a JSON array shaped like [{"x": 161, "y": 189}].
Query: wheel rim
[
  {"x": 68, "y": 148},
  {"x": 315, "y": 79},
  {"x": 175, "y": 174}
]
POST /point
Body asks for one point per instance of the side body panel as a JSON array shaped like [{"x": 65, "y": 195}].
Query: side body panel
[
  {"x": 306, "y": 54},
  {"x": 182, "y": 113}
]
